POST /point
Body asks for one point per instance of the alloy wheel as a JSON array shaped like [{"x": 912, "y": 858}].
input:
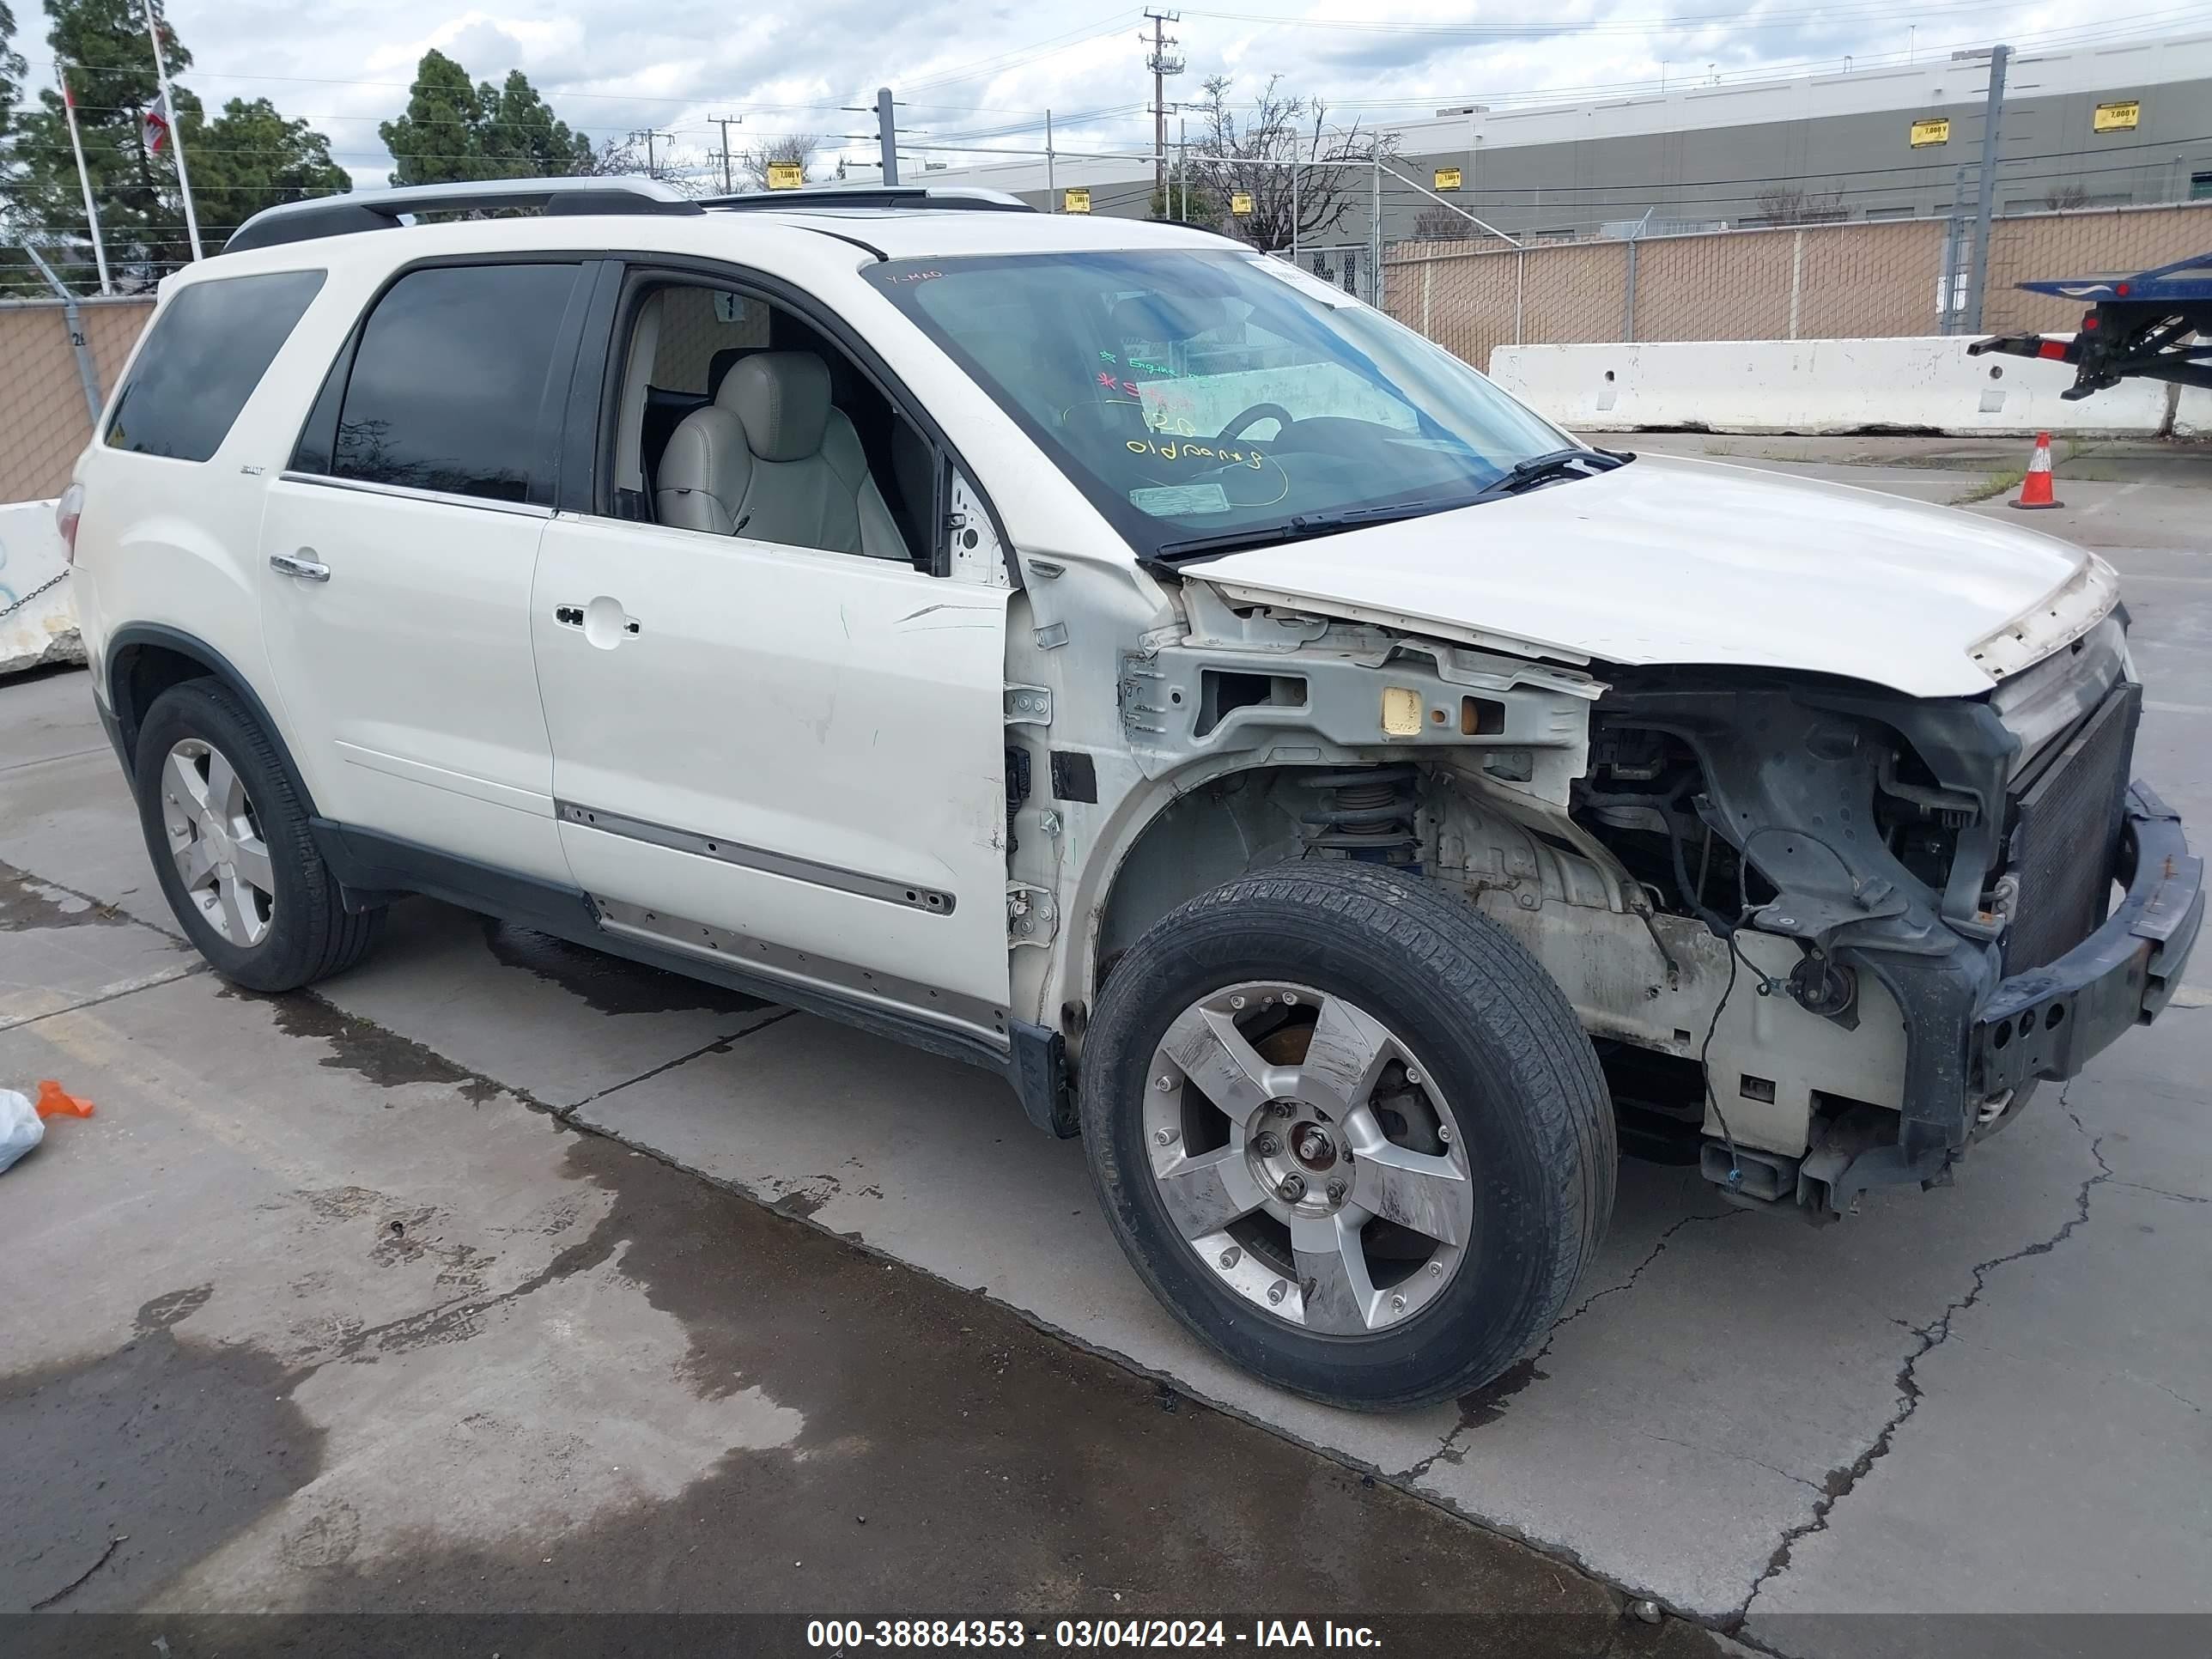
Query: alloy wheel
[
  {"x": 217, "y": 843},
  {"x": 1308, "y": 1158}
]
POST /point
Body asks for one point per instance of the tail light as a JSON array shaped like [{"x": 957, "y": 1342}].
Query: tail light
[{"x": 67, "y": 512}]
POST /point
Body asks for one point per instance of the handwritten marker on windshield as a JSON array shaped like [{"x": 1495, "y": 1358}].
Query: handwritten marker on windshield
[{"x": 2035, "y": 488}]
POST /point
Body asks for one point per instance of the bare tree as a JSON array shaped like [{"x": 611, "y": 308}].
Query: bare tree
[
  {"x": 1276, "y": 150},
  {"x": 2060, "y": 198},
  {"x": 1793, "y": 204},
  {"x": 690, "y": 171},
  {"x": 614, "y": 157},
  {"x": 1438, "y": 223},
  {"x": 780, "y": 149}
]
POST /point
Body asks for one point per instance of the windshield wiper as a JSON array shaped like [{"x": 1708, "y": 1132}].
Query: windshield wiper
[
  {"x": 1550, "y": 466},
  {"x": 1302, "y": 525}
]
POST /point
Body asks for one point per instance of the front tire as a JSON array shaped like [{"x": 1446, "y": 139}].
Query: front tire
[
  {"x": 1349, "y": 1131},
  {"x": 232, "y": 848}
]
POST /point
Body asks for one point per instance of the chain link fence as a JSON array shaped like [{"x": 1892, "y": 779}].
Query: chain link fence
[
  {"x": 1857, "y": 280},
  {"x": 44, "y": 422}
]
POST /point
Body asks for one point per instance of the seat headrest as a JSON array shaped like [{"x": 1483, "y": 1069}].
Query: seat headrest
[
  {"x": 782, "y": 400},
  {"x": 719, "y": 365}
]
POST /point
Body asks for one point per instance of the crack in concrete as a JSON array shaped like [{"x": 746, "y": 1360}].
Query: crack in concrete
[
  {"x": 1843, "y": 1480},
  {"x": 1733, "y": 1456},
  {"x": 1523, "y": 1371},
  {"x": 2160, "y": 1192},
  {"x": 131, "y": 989},
  {"x": 720, "y": 1045},
  {"x": 114, "y": 1543}
]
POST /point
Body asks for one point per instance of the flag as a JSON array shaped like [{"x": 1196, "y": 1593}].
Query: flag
[{"x": 157, "y": 124}]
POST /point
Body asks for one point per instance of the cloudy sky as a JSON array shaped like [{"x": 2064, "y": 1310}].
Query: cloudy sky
[{"x": 981, "y": 73}]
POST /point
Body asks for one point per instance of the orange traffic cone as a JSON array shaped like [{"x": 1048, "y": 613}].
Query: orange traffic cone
[
  {"x": 2035, "y": 488},
  {"x": 54, "y": 1101}
]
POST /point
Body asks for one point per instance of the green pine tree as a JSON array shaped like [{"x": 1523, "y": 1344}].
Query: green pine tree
[
  {"x": 522, "y": 135},
  {"x": 435, "y": 142},
  {"x": 249, "y": 158},
  {"x": 11, "y": 75},
  {"x": 453, "y": 131}
]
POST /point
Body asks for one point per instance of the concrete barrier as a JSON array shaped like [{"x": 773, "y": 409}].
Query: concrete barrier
[
  {"x": 41, "y": 629},
  {"x": 1925, "y": 383}
]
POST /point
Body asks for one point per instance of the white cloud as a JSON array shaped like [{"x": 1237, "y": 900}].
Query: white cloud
[{"x": 966, "y": 69}]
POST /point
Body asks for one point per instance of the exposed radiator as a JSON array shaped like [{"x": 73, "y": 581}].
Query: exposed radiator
[{"x": 2066, "y": 829}]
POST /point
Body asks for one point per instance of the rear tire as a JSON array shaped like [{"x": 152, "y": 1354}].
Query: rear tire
[
  {"x": 1467, "y": 1194},
  {"x": 232, "y": 848}
]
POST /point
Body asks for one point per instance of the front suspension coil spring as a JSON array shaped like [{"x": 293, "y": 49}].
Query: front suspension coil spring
[{"x": 1367, "y": 813}]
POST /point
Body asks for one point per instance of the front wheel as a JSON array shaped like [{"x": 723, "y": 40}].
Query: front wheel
[{"x": 1349, "y": 1131}]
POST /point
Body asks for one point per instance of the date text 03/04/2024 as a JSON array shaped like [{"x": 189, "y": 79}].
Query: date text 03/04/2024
[{"x": 853, "y": 1634}]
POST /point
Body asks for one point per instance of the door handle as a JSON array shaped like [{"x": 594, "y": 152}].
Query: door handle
[
  {"x": 305, "y": 568},
  {"x": 603, "y": 622}
]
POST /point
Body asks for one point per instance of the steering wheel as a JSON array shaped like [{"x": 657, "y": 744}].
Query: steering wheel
[{"x": 1257, "y": 412}]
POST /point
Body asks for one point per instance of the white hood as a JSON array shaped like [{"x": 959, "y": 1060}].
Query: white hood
[{"x": 1673, "y": 561}]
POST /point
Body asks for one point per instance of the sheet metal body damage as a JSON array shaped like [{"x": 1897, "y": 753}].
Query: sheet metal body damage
[{"x": 1778, "y": 902}]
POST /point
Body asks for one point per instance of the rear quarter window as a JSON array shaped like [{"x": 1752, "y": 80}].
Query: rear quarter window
[{"x": 209, "y": 349}]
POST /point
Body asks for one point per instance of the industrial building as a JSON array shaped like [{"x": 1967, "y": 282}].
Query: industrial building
[{"x": 2121, "y": 125}]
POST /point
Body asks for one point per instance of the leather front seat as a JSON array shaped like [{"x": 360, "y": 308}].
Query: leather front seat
[{"x": 771, "y": 459}]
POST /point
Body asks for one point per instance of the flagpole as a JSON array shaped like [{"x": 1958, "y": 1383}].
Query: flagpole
[
  {"x": 176, "y": 128},
  {"x": 84, "y": 179}
]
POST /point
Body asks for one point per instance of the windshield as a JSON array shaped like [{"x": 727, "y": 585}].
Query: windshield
[{"x": 1200, "y": 395}]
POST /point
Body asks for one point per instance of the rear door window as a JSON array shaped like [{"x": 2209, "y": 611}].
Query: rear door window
[
  {"x": 454, "y": 386},
  {"x": 208, "y": 351}
]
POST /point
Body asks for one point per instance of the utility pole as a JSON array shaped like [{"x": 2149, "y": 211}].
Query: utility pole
[
  {"x": 1992, "y": 117},
  {"x": 1161, "y": 66},
  {"x": 1375, "y": 236},
  {"x": 1051, "y": 186},
  {"x": 725, "y": 122},
  {"x": 887, "y": 134},
  {"x": 652, "y": 165}
]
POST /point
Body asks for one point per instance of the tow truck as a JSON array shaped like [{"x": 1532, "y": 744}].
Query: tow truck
[{"x": 2149, "y": 325}]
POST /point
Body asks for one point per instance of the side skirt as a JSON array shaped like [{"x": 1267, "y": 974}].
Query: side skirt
[{"x": 375, "y": 868}]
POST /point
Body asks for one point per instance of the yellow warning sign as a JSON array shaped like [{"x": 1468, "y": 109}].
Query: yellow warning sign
[
  {"x": 2117, "y": 118},
  {"x": 1075, "y": 201},
  {"x": 1925, "y": 133},
  {"x": 786, "y": 175},
  {"x": 1447, "y": 179},
  {"x": 1240, "y": 202}
]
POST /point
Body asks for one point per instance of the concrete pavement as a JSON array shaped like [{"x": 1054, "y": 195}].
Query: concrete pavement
[{"x": 1986, "y": 1399}]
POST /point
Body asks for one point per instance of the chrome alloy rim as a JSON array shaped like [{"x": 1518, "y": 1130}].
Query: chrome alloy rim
[
  {"x": 1304, "y": 1154},
  {"x": 217, "y": 843}
]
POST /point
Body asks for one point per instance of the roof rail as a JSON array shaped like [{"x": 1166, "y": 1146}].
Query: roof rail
[
  {"x": 379, "y": 209},
  {"x": 957, "y": 198}
]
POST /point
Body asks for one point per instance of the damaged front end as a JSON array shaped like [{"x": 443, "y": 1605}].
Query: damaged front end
[
  {"x": 1933, "y": 877},
  {"x": 1824, "y": 935}
]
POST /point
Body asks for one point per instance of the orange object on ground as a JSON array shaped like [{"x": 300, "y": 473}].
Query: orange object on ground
[
  {"x": 53, "y": 1102},
  {"x": 2035, "y": 488}
]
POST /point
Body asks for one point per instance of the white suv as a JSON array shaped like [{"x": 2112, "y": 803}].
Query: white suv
[{"x": 1099, "y": 652}]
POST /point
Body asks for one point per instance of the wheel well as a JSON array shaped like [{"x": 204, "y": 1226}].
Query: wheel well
[
  {"x": 141, "y": 673},
  {"x": 1208, "y": 834},
  {"x": 147, "y": 659}
]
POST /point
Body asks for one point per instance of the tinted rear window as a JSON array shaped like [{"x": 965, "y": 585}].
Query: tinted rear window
[
  {"x": 449, "y": 386},
  {"x": 209, "y": 349}
]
